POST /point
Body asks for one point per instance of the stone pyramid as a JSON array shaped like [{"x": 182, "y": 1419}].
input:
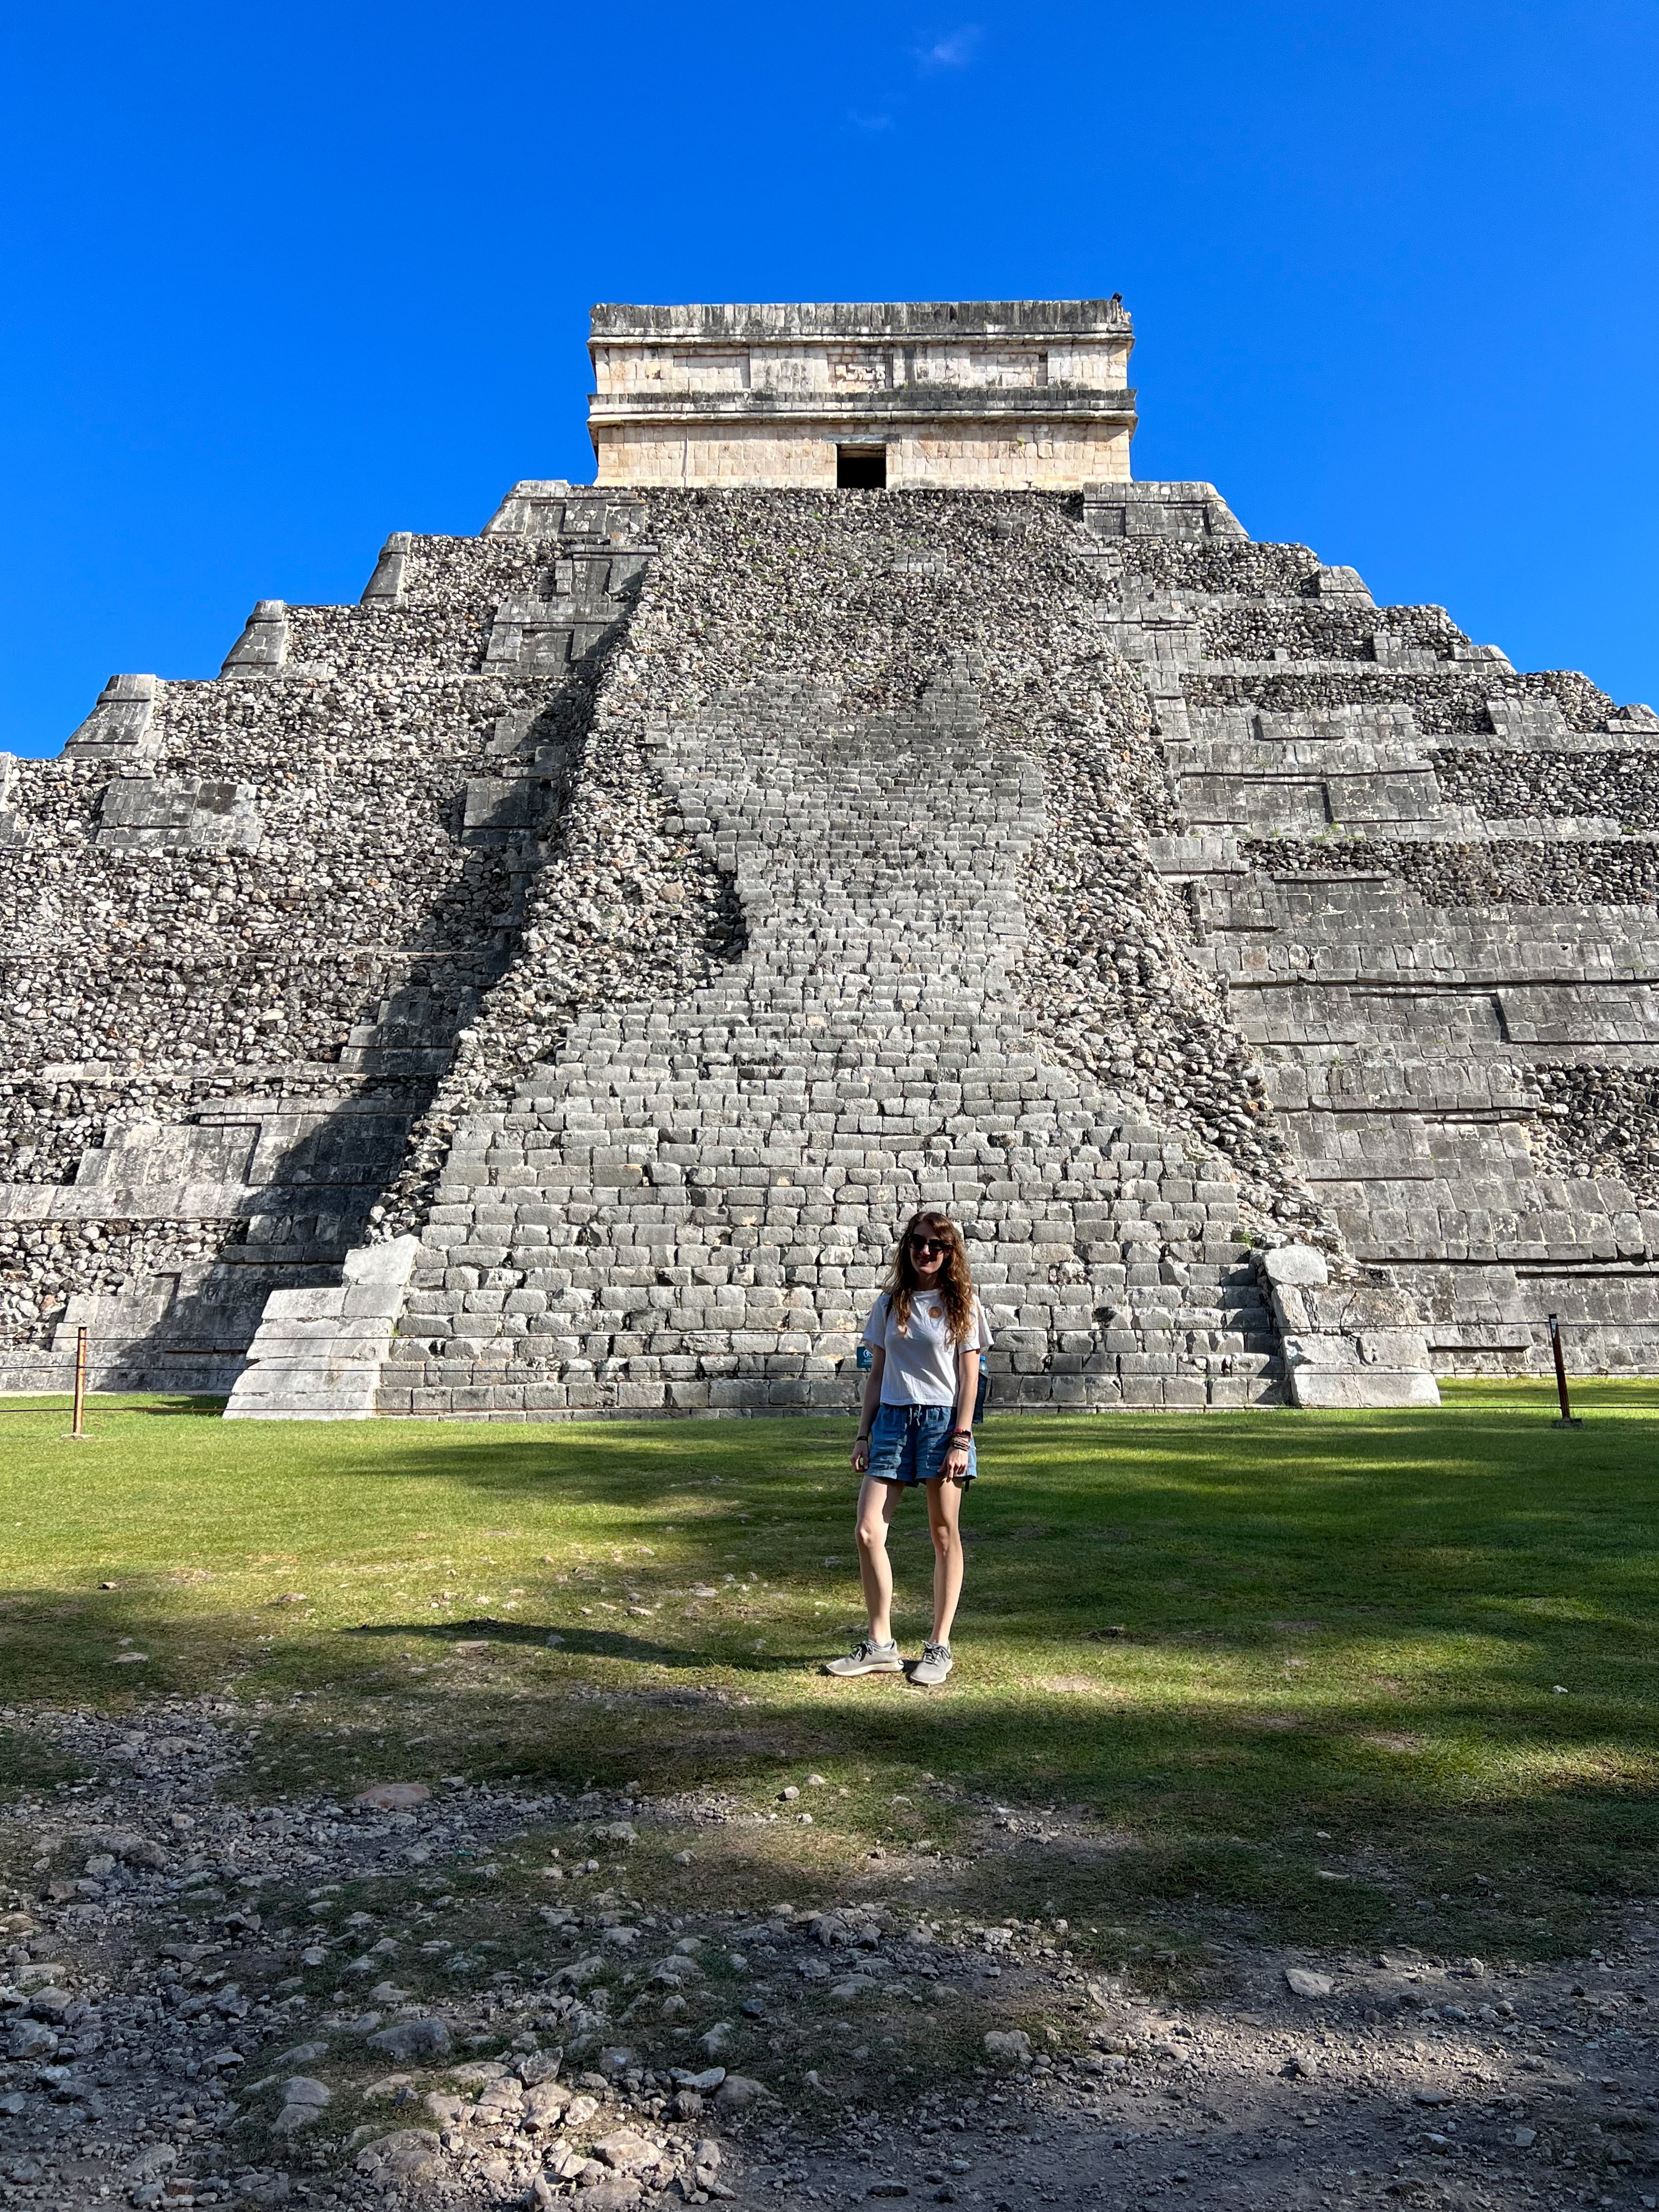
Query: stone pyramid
[{"x": 544, "y": 989}]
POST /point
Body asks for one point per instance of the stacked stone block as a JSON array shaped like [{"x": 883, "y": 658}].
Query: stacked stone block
[
  {"x": 1427, "y": 882},
  {"x": 983, "y": 395},
  {"x": 839, "y": 717},
  {"x": 545, "y": 988},
  {"x": 692, "y": 1206},
  {"x": 241, "y": 924}
]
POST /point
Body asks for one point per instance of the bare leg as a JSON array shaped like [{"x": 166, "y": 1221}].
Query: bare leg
[
  {"x": 943, "y": 1523},
  {"x": 877, "y": 1501}
]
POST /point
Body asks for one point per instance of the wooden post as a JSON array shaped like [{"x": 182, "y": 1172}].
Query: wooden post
[
  {"x": 80, "y": 1426},
  {"x": 1566, "y": 1420}
]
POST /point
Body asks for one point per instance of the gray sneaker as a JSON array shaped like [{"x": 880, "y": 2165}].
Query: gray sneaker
[
  {"x": 934, "y": 1664},
  {"x": 869, "y": 1657}
]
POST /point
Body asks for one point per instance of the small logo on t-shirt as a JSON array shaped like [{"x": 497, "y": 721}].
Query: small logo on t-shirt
[{"x": 935, "y": 1313}]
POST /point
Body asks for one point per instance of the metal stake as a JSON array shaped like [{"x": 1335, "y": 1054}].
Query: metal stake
[
  {"x": 80, "y": 1427},
  {"x": 1568, "y": 1420}
]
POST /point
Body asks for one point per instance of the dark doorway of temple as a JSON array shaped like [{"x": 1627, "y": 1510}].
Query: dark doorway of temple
[{"x": 860, "y": 468}]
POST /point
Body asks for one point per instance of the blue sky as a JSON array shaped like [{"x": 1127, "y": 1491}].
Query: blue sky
[{"x": 274, "y": 283}]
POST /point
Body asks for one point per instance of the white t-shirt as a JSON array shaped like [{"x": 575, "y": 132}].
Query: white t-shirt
[{"x": 921, "y": 1367}]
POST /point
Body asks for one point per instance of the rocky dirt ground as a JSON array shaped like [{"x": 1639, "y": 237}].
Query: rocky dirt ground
[{"x": 461, "y": 1998}]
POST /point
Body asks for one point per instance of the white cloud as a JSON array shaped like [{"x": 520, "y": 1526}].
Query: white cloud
[{"x": 955, "y": 50}]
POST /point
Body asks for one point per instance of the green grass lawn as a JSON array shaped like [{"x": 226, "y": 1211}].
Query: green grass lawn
[{"x": 1295, "y": 1674}]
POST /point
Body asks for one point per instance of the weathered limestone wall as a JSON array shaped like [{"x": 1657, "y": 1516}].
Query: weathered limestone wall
[
  {"x": 671, "y": 456},
  {"x": 544, "y": 987},
  {"x": 240, "y": 923},
  {"x": 1428, "y": 883},
  {"x": 982, "y": 395},
  {"x": 788, "y": 348},
  {"x": 827, "y": 745},
  {"x": 1032, "y": 455}
]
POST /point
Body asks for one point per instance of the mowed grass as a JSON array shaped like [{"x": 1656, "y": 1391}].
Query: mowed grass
[{"x": 1332, "y": 1679}]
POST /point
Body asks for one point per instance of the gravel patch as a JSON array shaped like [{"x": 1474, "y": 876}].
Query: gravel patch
[{"x": 198, "y": 2009}]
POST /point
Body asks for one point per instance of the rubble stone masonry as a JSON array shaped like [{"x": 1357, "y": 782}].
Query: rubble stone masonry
[{"x": 545, "y": 988}]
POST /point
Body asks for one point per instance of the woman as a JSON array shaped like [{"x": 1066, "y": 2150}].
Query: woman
[{"x": 927, "y": 1332}]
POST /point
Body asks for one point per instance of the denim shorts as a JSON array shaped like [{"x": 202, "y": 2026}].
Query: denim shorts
[{"x": 907, "y": 1443}]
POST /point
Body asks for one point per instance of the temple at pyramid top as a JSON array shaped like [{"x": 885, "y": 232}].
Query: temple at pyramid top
[{"x": 991, "y": 395}]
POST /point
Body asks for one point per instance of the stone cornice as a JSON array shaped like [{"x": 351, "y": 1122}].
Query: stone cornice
[
  {"x": 902, "y": 404},
  {"x": 747, "y": 322}
]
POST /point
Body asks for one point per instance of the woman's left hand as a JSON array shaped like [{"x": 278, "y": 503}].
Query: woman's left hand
[{"x": 955, "y": 1459}]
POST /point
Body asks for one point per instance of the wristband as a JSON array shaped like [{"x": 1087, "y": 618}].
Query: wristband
[{"x": 959, "y": 1437}]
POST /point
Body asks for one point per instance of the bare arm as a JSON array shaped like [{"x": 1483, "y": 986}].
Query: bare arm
[
  {"x": 867, "y": 1411},
  {"x": 967, "y": 1388},
  {"x": 955, "y": 1459}
]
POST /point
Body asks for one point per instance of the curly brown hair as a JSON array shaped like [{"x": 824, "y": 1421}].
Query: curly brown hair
[{"x": 956, "y": 1283}]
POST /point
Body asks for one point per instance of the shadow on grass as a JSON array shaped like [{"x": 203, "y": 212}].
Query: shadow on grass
[
  {"x": 26, "y": 1764},
  {"x": 1340, "y": 1819},
  {"x": 1345, "y": 1463},
  {"x": 590, "y": 1643},
  {"x": 123, "y": 1405},
  {"x": 1334, "y": 1708}
]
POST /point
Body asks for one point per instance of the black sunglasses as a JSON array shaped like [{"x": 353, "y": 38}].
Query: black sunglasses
[{"x": 929, "y": 1244}]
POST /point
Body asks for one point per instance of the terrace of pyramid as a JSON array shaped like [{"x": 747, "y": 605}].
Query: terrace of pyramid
[{"x": 544, "y": 989}]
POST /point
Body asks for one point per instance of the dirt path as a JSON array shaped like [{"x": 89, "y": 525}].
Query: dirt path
[{"x": 212, "y": 2001}]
